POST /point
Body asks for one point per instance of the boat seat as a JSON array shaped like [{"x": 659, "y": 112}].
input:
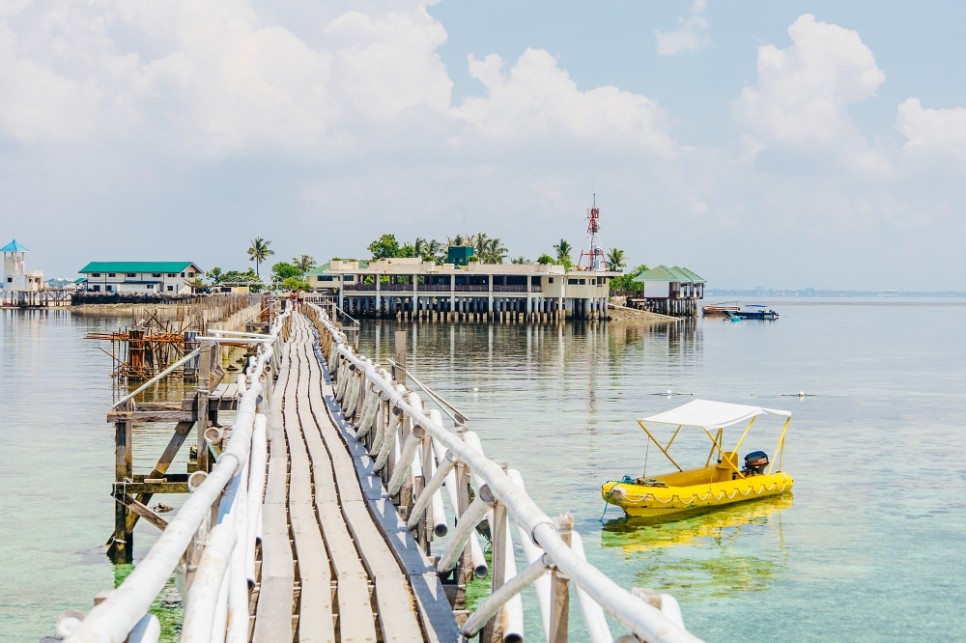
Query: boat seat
[{"x": 727, "y": 466}]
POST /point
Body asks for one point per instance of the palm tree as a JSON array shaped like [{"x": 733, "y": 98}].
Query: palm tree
[
  {"x": 563, "y": 253},
  {"x": 479, "y": 242},
  {"x": 436, "y": 250},
  {"x": 493, "y": 251},
  {"x": 304, "y": 263},
  {"x": 259, "y": 252},
  {"x": 615, "y": 260},
  {"x": 420, "y": 246}
]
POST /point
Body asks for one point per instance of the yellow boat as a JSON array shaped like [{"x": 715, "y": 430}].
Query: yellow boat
[{"x": 720, "y": 482}]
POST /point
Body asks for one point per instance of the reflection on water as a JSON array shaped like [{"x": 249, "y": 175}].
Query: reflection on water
[
  {"x": 718, "y": 560},
  {"x": 718, "y": 524}
]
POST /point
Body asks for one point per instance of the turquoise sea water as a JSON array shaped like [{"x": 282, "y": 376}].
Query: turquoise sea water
[{"x": 868, "y": 548}]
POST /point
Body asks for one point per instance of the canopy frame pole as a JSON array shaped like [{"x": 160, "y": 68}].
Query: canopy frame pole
[
  {"x": 780, "y": 448},
  {"x": 745, "y": 434},
  {"x": 715, "y": 444},
  {"x": 662, "y": 448}
]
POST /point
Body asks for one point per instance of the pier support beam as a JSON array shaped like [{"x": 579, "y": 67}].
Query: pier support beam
[{"x": 122, "y": 545}]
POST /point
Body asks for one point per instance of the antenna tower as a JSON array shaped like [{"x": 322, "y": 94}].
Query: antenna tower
[{"x": 592, "y": 256}]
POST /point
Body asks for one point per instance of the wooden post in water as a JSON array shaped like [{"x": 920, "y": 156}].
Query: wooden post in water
[
  {"x": 399, "y": 356},
  {"x": 123, "y": 542},
  {"x": 135, "y": 349}
]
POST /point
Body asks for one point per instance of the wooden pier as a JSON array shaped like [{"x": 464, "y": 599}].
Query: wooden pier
[
  {"x": 328, "y": 572},
  {"x": 46, "y": 298},
  {"x": 313, "y": 516}
]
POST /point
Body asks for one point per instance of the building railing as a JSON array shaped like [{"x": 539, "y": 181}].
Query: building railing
[
  {"x": 412, "y": 450},
  {"x": 215, "y": 529},
  {"x": 445, "y": 288}
]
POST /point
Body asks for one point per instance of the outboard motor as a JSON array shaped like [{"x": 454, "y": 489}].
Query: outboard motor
[{"x": 755, "y": 463}]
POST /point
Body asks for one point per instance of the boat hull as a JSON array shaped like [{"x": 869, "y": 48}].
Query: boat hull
[
  {"x": 643, "y": 501},
  {"x": 752, "y": 314}
]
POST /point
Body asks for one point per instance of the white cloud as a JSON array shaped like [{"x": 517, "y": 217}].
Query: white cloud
[
  {"x": 936, "y": 134},
  {"x": 216, "y": 79},
  {"x": 212, "y": 79},
  {"x": 691, "y": 34},
  {"x": 536, "y": 100},
  {"x": 804, "y": 92}
]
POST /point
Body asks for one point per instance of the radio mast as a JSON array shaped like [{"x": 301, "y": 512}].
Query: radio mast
[{"x": 592, "y": 256}]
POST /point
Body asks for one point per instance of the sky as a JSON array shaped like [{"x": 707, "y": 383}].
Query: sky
[{"x": 776, "y": 144}]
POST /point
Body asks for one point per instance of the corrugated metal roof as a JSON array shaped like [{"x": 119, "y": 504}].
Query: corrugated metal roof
[
  {"x": 695, "y": 277},
  {"x": 135, "y": 266},
  {"x": 13, "y": 246},
  {"x": 675, "y": 274},
  {"x": 657, "y": 273}
]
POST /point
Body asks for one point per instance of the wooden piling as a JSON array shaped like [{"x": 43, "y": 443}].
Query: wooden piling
[{"x": 122, "y": 549}]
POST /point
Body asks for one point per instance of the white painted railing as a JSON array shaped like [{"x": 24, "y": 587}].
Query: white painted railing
[
  {"x": 416, "y": 456},
  {"x": 218, "y": 521}
]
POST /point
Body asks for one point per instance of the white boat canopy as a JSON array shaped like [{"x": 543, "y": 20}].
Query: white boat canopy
[{"x": 711, "y": 415}]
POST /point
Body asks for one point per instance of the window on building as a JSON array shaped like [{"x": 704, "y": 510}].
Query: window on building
[
  {"x": 9, "y": 280},
  {"x": 131, "y": 274},
  {"x": 182, "y": 274},
  {"x": 112, "y": 274},
  {"x": 156, "y": 274},
  {"x": 550, "y": 280},
  {"x": 191, "y": 273},
  {"x": 170, "y": 288},
  {"x": 96, "y": 288},
  {"x": 171, "y": 274},
  {"x": 95, "y": 274},
  {"x": 109, "y": 289}
]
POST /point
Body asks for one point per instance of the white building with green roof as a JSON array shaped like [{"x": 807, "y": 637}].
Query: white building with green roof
[
  {"x": 141, "y": 277},
  {"x": 672, "y": 290}
]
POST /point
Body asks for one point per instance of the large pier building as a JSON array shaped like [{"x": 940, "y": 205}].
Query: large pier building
[{"x": 414, "y": 288}]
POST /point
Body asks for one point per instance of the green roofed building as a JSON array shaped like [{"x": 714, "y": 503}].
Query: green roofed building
[
  {"x": 141, "y": 277},
  {"x": 672, "y": 290}
]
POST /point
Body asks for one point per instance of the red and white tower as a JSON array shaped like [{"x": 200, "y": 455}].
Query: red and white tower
[{"x": 592, "y": 255}]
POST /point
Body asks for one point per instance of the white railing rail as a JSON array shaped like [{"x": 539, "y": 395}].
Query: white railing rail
[
  {"x": 216, "y": 605},
  {"x": 400, "y": 435}
]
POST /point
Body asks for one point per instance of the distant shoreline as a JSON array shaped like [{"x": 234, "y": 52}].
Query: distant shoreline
[{"x": 811, "y": 293}]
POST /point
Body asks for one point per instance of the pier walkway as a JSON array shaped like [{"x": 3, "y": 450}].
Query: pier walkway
[
  {"x": 337, "y": 549},
  {"x": 319, "y": 515}
]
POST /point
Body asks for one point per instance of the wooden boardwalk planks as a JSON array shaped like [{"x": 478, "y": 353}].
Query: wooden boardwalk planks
[
  {"x": 349, "y": 585},
  {"x": 273, "y": 612}
]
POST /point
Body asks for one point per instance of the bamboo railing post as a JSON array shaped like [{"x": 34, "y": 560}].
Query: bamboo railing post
[
  {"x": 493, "y": 631},
  {"x": 205, "y": 365},
  {"x": 428, "y": 520},
  {"x": 464, "y": 570},
  {"x": 559, "y": 589}
]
